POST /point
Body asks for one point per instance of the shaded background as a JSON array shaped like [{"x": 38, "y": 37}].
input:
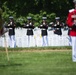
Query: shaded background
[{"x": 36, "y": 9}]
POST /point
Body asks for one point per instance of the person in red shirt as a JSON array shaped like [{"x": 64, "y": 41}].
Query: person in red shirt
[{"x": 71, "y": 22}]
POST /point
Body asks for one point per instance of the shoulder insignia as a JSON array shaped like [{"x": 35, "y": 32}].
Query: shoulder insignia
[{"x": 71, "y": 10}]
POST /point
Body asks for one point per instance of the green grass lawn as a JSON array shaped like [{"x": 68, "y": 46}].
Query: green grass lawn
[{"x": 37, "y": 63}]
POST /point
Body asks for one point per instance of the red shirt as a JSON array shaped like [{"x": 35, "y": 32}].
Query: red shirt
[{"x": 70, "y": 22}]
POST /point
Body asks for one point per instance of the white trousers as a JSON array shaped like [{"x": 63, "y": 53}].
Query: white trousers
[
  {"x": 12, "y": 42},
  {"x": 44, "y": 41},
  {"x": 30, "y": 38},
  {"x": 70, "y": 41},
  {"x": 73, "y": 43}
]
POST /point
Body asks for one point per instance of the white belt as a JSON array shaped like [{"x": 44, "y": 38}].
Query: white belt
[
  {"x": 43, "y": 29},
  {"x": 10, "y": 28},
  {"x": 57, "y": 28},
  {"x": 29, "y": 29}
]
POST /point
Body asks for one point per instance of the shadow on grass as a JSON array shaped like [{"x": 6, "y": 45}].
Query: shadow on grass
[{"x": 10, "y": 65}]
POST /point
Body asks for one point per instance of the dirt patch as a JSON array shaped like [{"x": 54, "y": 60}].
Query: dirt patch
[
  {"x": 42, "y": 50},
  {"x": 37, "y": 50}
]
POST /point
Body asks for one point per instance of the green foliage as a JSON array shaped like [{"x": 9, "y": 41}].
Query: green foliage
[
  {"x": 7, "y": 12},
  {"x": 51, "y": 17},
  {"x": 36, "y": 9},
  {"x": 21, "y": 20},
  {"x": 37, "y": 18}
]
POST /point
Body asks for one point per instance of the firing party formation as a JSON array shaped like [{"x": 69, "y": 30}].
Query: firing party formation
[
  {"x": 44, "y": 26},
  {"x": 56, "y": 27}
]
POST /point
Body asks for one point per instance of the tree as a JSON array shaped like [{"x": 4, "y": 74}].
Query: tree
[{"x": 19, "y": 8}]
